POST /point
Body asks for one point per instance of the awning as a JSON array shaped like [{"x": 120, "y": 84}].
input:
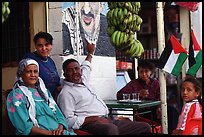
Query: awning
[{"x": 192, "y": 6}]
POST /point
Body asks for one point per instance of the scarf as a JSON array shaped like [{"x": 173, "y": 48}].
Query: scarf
[{"x": 40, "y": 86}]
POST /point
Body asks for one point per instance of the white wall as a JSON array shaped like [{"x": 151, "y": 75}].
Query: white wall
[{"x": 103, "y": 75}]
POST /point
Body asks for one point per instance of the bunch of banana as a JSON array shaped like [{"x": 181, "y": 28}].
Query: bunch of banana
[
  {"x": 119, "y": 38},
  {"x": 5, "y": 11},
  {"x": 133, "y": 48},
  {"x": 123, "y": 21}
]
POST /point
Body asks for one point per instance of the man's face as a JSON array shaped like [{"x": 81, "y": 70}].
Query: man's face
[
  {"x": 73, "y": 73},
  {"x": 89, "y": 13}
]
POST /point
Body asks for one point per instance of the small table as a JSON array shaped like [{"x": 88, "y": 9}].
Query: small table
[{"x": 115, "y": 105}]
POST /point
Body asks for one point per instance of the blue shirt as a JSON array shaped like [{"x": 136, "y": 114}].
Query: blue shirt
[{"x": 47, "y": 71}]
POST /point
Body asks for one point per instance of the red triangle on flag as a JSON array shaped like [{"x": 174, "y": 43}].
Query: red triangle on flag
[
  {"x": 195, "y": 42},
  {"x": 177, "y": 48}
]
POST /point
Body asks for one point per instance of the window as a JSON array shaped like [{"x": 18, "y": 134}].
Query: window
[
  {"x": 15, "y": 34},
  {"x": 122, "y": 79}
]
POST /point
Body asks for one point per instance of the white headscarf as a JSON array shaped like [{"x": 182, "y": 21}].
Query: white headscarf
[{"x": 40, "y": 85}]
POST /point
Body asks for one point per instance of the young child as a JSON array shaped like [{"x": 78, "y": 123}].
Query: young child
[{"x": 190, "y": 93}]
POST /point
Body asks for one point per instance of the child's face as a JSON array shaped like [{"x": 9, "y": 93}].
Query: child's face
[{"x": 188, "y": 92}]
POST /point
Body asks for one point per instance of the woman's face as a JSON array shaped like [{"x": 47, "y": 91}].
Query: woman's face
[
  {"x": 89, "y": 13},
  {"x": 144, "y": 73},
  {"x": 188, "y": 92},
  {"x": 43, "y": 47},
  {"x": 30, "y": 75}
]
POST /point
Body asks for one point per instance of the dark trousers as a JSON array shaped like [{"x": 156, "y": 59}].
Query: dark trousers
[{"x": 117, "y": 127}]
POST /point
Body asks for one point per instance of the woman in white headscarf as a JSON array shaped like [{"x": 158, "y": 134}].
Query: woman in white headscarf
[{"x": 30, "y": 106}]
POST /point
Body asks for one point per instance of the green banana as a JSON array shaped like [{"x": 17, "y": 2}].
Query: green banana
[
  {"x": 128, "y": 5},
  {"x": 134, "y": 26},
  {"x": 112, "y": 16},
  {"x": 129, "y": 14},
  {"x": 123, "y": 22},
  {"x": 122, "y": 36},
  {"x": 141, "y": 49},
  {"x": 117, "y": 39},
  {"x": 109, "y": 17},
  {"x": 125, "y": 38},
  {"x": 137, "y": 27},
  {"x": 137, "y": 49},
  {"x": 125, "y": 12},
  {"x": 113, "y": 37},
  {"x": 131, "y": 42},
  {"x": 116, "y": 12},
  {"x": 113, "y": 19},
  {"x": 138, "y": 7},
  {"x": 121, "y": 16},
  {"x": 119, "y": 4},
  {"x": 139, "y": 20},
  {"x": 110, "y": 30},
  {"x": 132, "y": 49},
  {"x": 110, "y": 5}
]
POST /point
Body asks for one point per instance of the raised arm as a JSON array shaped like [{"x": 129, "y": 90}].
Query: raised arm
[{"x": 90, "y": 49}]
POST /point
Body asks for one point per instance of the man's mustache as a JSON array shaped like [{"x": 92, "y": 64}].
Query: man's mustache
[{"x": 88, "y": 15}]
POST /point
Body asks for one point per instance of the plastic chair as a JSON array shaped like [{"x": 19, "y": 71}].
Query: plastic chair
[
  {"x": 81, "y": 132},
  {"x": 156, "y": 127},
  {"x": 8, "y": 128},
  {"x": 191, "y": 124}
]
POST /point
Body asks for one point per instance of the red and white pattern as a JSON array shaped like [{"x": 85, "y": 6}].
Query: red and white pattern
[{"x": 190, "y": 110}]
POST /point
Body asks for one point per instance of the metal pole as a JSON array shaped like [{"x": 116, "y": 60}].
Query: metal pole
[
  {"x": 77, "y": 28},
  {"x": 162, "y": 80},
  {"x": 136, "y": 62}
]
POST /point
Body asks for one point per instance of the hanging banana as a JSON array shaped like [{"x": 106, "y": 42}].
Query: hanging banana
[{"x": 123, "y": 22}]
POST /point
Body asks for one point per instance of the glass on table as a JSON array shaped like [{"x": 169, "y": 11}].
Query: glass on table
[
  {"x": 126, "y": 96},
  {"x": 136, "y": 96}
]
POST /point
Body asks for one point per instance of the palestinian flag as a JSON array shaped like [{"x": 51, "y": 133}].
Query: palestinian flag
[
  {"x": 172, "y": 57},
  {"x": 195, "y": 56}
]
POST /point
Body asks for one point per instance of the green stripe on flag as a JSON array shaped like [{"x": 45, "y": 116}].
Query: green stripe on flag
[
  {"x": 193, "y": 69},
  {"x": 179, "y": 63}
]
